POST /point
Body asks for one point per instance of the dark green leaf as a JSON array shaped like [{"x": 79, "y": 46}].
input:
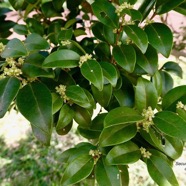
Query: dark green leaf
[
  {"x": 92, "y": 71},
  {"x": 102, "y": 97},
  {"x": 125, "y": 56},
  {"x": 167, "y": 5},
  {"x": 160, "y": 37},
  {"x": 109, "y": 35},
  {"x": 117, "y": 134},
  {"x": 35, "y": 42},
  {"x": 106, "y": 174},
  {"x": 105, "y": 12},
  {"x": 157, "y": 81},
  {"x": 97, "y": 29},
  {"x": 36, "y": 99},
  {"x": 110, "y": 73},
  {"x": 14, "y": 48},
  {"x": 173, "y": 96},
  {"x": 20, "y": 29},
  {"x": 170, "y": 124},
  {"x": 49, "y": 10},
  {"x": 62, "y": 58},
  {"x": 17, "y": 4},
  {"x": 145, "y": 94},
  {"x": 78, "y": 169},
  {"x": 138, "y": 36},
  {"x": 65, "y": 34},
  {"x": 123, "y": 154},
  {"x": 173, "y": 67},
  {"x": 126, "y": 115},
  {"x": 160, "y": 171},
  {"x": 57, "y": 103},
  {"x": 124, "y": 175},
  {"x": 9, "y": 88},
  {"x": 134, "y": 14},
  {"x": 77, "y": 95}
]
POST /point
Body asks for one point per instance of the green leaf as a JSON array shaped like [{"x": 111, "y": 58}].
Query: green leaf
[
  {"x": 167, "y": 82},
  {"x": 106, "y": 174},
  {"x": 125, "y": 56},
  {"x": 36, "y": 99},
  {"x": 124, "y": 175},
  {"x": 134, "y": 14},
  {"x": 117, "y": 134},
  {"x": 145, "y": 7},
  {"x": 34, "y": 42},
  {"x": 160, "y": 171},
  {"x": 160, "y": 37},
  {"x": 48, "y": 10},
  {"x": 109, "y": 35},
  {"x": 110, "y": 73},
  {"x": 173, "y": 96},
  {"x": 148, "y": 61},
  {"x": 181, "y": 8},
  {"x": 126, "y": 115},
  {"x": 138, "y": 36},
  {"x": 173, "y": 67},
  {"x": 123, "y": 154},
  {"x": 77, "y": 95},
  {"x": 20, "y": 29},
  {"x": 14, "y": 48},
  {"x": 105, "y": 12},
  {"x": 82, "y": 116},
  {"x": 157, "y": 81},
  {"x": 102, "y": 97},
  {"x": 17, "y": 4},
  {"x": 170, "y": 124},
  {"x": 9, "y": 88},
  {"x": 62, "y": 58},
  {"x": 167, "y": 5},
  {"x": 57, "y": 103},
  {"x": 97, "y": 29},
  {"x": 65, "y": 34},
  {"x": 92, "y": 71},
  {"x": 65, "y": 117},
  {"x": 78, "y": 169},
  {"x": 145, "y": 94}
]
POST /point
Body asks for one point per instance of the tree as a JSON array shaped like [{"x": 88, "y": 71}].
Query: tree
[{"x": 78, "y": 54}]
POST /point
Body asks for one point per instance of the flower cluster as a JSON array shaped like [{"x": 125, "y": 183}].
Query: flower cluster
[
  {"x": 123, "y": 6},
  {"x": 2, "y": 47},
  {"x": 84, "y": 59},
  {"x": 96, "y": 154},
  {"x": 12, "y": 69},
  {"x": 181, "y": 105},
  {"x": 61, "y": 89},
  {"x": 147, "y": 122},
  {"x": 65, "y": 42},
  {"x": 145, "y": 153}
]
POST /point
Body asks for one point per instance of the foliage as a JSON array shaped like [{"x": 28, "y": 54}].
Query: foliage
[{"x": 78, "y": 54}]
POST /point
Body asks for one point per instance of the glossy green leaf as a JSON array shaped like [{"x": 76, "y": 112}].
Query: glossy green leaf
[
  {"x": 20, "y": 29},
  {"x": 65, "y": 117},
  {"x": 92, "y": 71},
  {"x": 106, "y": 174},
  {"x": 134, "y": 14},
  {"x": 14, "y": 48},
  {"x": 145, "y": 7},
  {"x": 170, "y": 124},
  {"x": 34, "y": 26},
  {"x": 105, "y": 12},
  {"x": 65, "y": 34},
  {"x": 181, "y": 8},
  {"x": 88, "y": 133},
  {"x": 138, "y": 36},
  {"x": 97, "y": 29},
  {"x": 82, "y": 116},
  {"x": 160, "y": 37},
  {"x": 34, "y": 42},
  {"x": 117, "y": 134},
  {"x": 124, "y": 175},
  {"x": 48, "y": 10},
  {"x": 9, "y": 88},
  {"x": 17, "y": 4},
  {"x": 102, "y": 97},
  {"x": 173, "y": 97},
  {"x": 157, "y": 81},
  {"x": 36, "y": 99},
  {"x": 91, "y": 99},
  {"x": 110, "y": 73},
  {"x": 57, "y": 103},
  {"x": 173, "y": 67},
  {"x": 167, "y": 82},
  {"x": 125, "y": 56},
  {"x": 148, "y": 61},
  {"x": 126, "y": 115},
  {"x": 123, "y": 154},
  {"x": 145, "y": 94},
  {"x": 167, "y": 5},
  {"x": 181, "y": 112},
  {"x": 77, "y": 95},
  {"x": 102, "y": 51},
  {"x": 109, "y": 35},
  {"x": 160, "y": 171},
  {"x": 62, "y": 58},
  {"x": 78, "y": 169}
]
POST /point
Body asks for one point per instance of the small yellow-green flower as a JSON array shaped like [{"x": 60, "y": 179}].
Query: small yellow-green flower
[
  {"x": 65, "y": 42},
  {"x": 2, "y": 47},
  {"x": 145, "y": 153},
  {"x": 84, "y": 59},
  {"x": 61, "y": 89},
  {"x": 96, "y": 154},
  {"x": 123, "y": 6}
]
